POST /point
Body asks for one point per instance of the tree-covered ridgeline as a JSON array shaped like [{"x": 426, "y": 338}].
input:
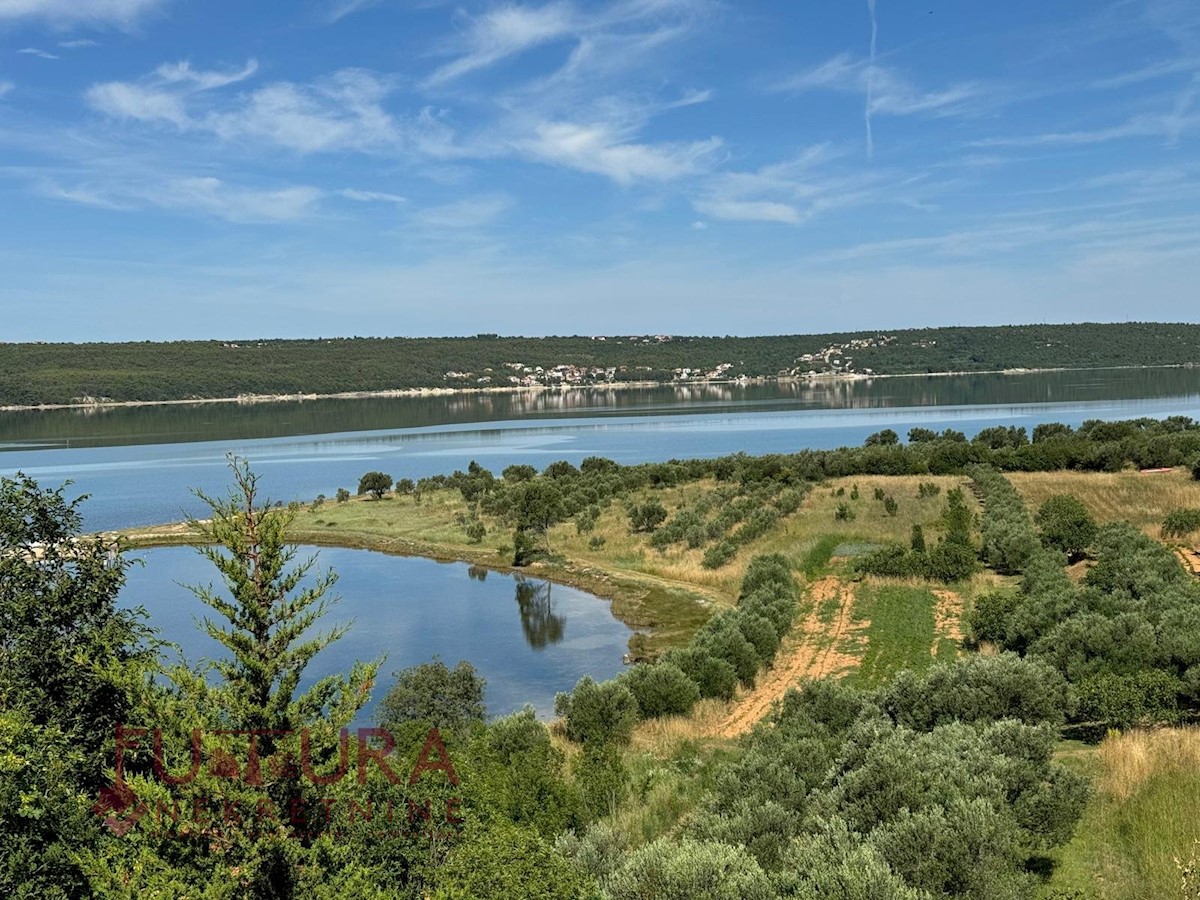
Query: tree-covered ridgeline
[{"x": 47, "y": 373}]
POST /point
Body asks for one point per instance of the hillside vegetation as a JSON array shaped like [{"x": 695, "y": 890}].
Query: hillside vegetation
[
  {"x": 45, "y": 373},
  {"x": 879, "y": 671}
]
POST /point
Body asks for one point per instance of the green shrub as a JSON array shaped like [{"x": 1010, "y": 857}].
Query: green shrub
[
  {"x": 647, "y": 516},
  {"x": 661, "y": 689},
  {"x": 434, "y": 693},
  {"x": 603, "y": 780},
  {"x": 586, "y": 519},
  {"x": 989, "y": 617},
  {"x": 949, "y": 562},
  {"x": 1181, "y": 522},
  {"x": 758, "y": 630},
  {"x": 716, "y": 678},
  {"x": 977, "y": 689},
  {"x": 719, "y": 554},
  {"x": 1066, "y": 525},
  {"x": 1124, "y": 701},
  {"x": 687, "y": 870},
  {"x": 598, "y": 713},
  {"x": 375, "y": 483},
  {"x": 917, "y": 541},
  {"x": 506, "y": 862},
  {"x": 476, "y": 532},
  {"x": 723, "y": 639},
  {"x": 516, "y": 474}
]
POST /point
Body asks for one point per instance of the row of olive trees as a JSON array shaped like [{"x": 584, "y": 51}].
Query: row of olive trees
[
  {"x": 729, "y": 650},
  {"x": 1126, "y": 638}
]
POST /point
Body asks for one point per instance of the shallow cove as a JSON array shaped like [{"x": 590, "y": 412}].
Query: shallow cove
[{"x": 529, "y": 638}]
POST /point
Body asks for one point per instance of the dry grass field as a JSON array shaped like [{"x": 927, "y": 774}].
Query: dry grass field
[{"x": 1141, "y": 499}]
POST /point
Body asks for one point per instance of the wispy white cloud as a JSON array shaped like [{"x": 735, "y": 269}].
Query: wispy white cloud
[
  {"x": 749, "y": 210},
  {"x": 602, "y": 36},
  {"x": 204, "y": 195},
  {"x": 1031, "y": 229},
  {"x": 78, "y": 44},
  {"x": 798, "y": 189},
  {"x": 121, "y": 13},
  {"x": 1152, "y": 72},
  {"x": 602, "y": 150},
  {"x": 1168, "y": 127},
  {"x": 343, "y": 8},
  {"x": 38, "y": 52},
  {"x": 890, "y": 93},
  {"x": 871, "y": 70},
  {"x": 372, "y": 196},
  {"x": 125, "y": 100},
  {"x": 183, "y": 73},
  {"x": 341, "y": 112},
  {"x": 469, "y": 213},
  {"x": 163, "y": 96},
  {"x": 339, "y": 9},
  {"x": 506, "y": 31},
  {"x": 6, "y": 87}
]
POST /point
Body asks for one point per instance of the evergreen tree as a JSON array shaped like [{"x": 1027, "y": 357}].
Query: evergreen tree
[{"x": 267, "y": 614}]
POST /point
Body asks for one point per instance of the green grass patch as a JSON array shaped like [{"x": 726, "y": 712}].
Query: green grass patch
[
  {"x": 816, "y": 560},
  {"x": 947, "y": 650},
  {"x": 1140, "y": 819},
  {"x": 900, "y": 633},
  {"x": 1127, "y": 850}
]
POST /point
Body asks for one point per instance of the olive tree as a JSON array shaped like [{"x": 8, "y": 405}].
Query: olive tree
[{"x": 375, "y": 483}]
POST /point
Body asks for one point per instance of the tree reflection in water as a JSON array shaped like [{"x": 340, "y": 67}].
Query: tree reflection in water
[
  {"x": 477, "y": 573},
  {"x": 542, "y": 627}
]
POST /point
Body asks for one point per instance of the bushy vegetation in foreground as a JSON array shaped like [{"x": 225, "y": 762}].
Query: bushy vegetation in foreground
[{"x": 941, "y": 782}]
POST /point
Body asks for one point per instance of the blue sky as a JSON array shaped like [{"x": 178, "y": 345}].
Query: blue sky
[{"x": 187, "y": 169}]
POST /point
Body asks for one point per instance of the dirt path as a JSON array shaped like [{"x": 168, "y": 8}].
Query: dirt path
[
  {"x": 812, "y": 650},
  {"x": 1190, "y": 559},
  {"x": 947, "y": 618}
]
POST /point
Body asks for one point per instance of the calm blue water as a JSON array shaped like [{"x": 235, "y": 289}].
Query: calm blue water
[
  {"x": 150, "y": 483},
  {"x": 528, "y": 638}
]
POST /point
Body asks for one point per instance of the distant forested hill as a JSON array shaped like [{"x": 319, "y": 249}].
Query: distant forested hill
[{"x": 66, "y": 373}]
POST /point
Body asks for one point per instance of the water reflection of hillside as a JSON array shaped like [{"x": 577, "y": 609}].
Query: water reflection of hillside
[{"x": 114, "y": 426}]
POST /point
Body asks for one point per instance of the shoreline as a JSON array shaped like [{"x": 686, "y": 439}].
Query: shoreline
[{"x": 256, "y": 399}]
